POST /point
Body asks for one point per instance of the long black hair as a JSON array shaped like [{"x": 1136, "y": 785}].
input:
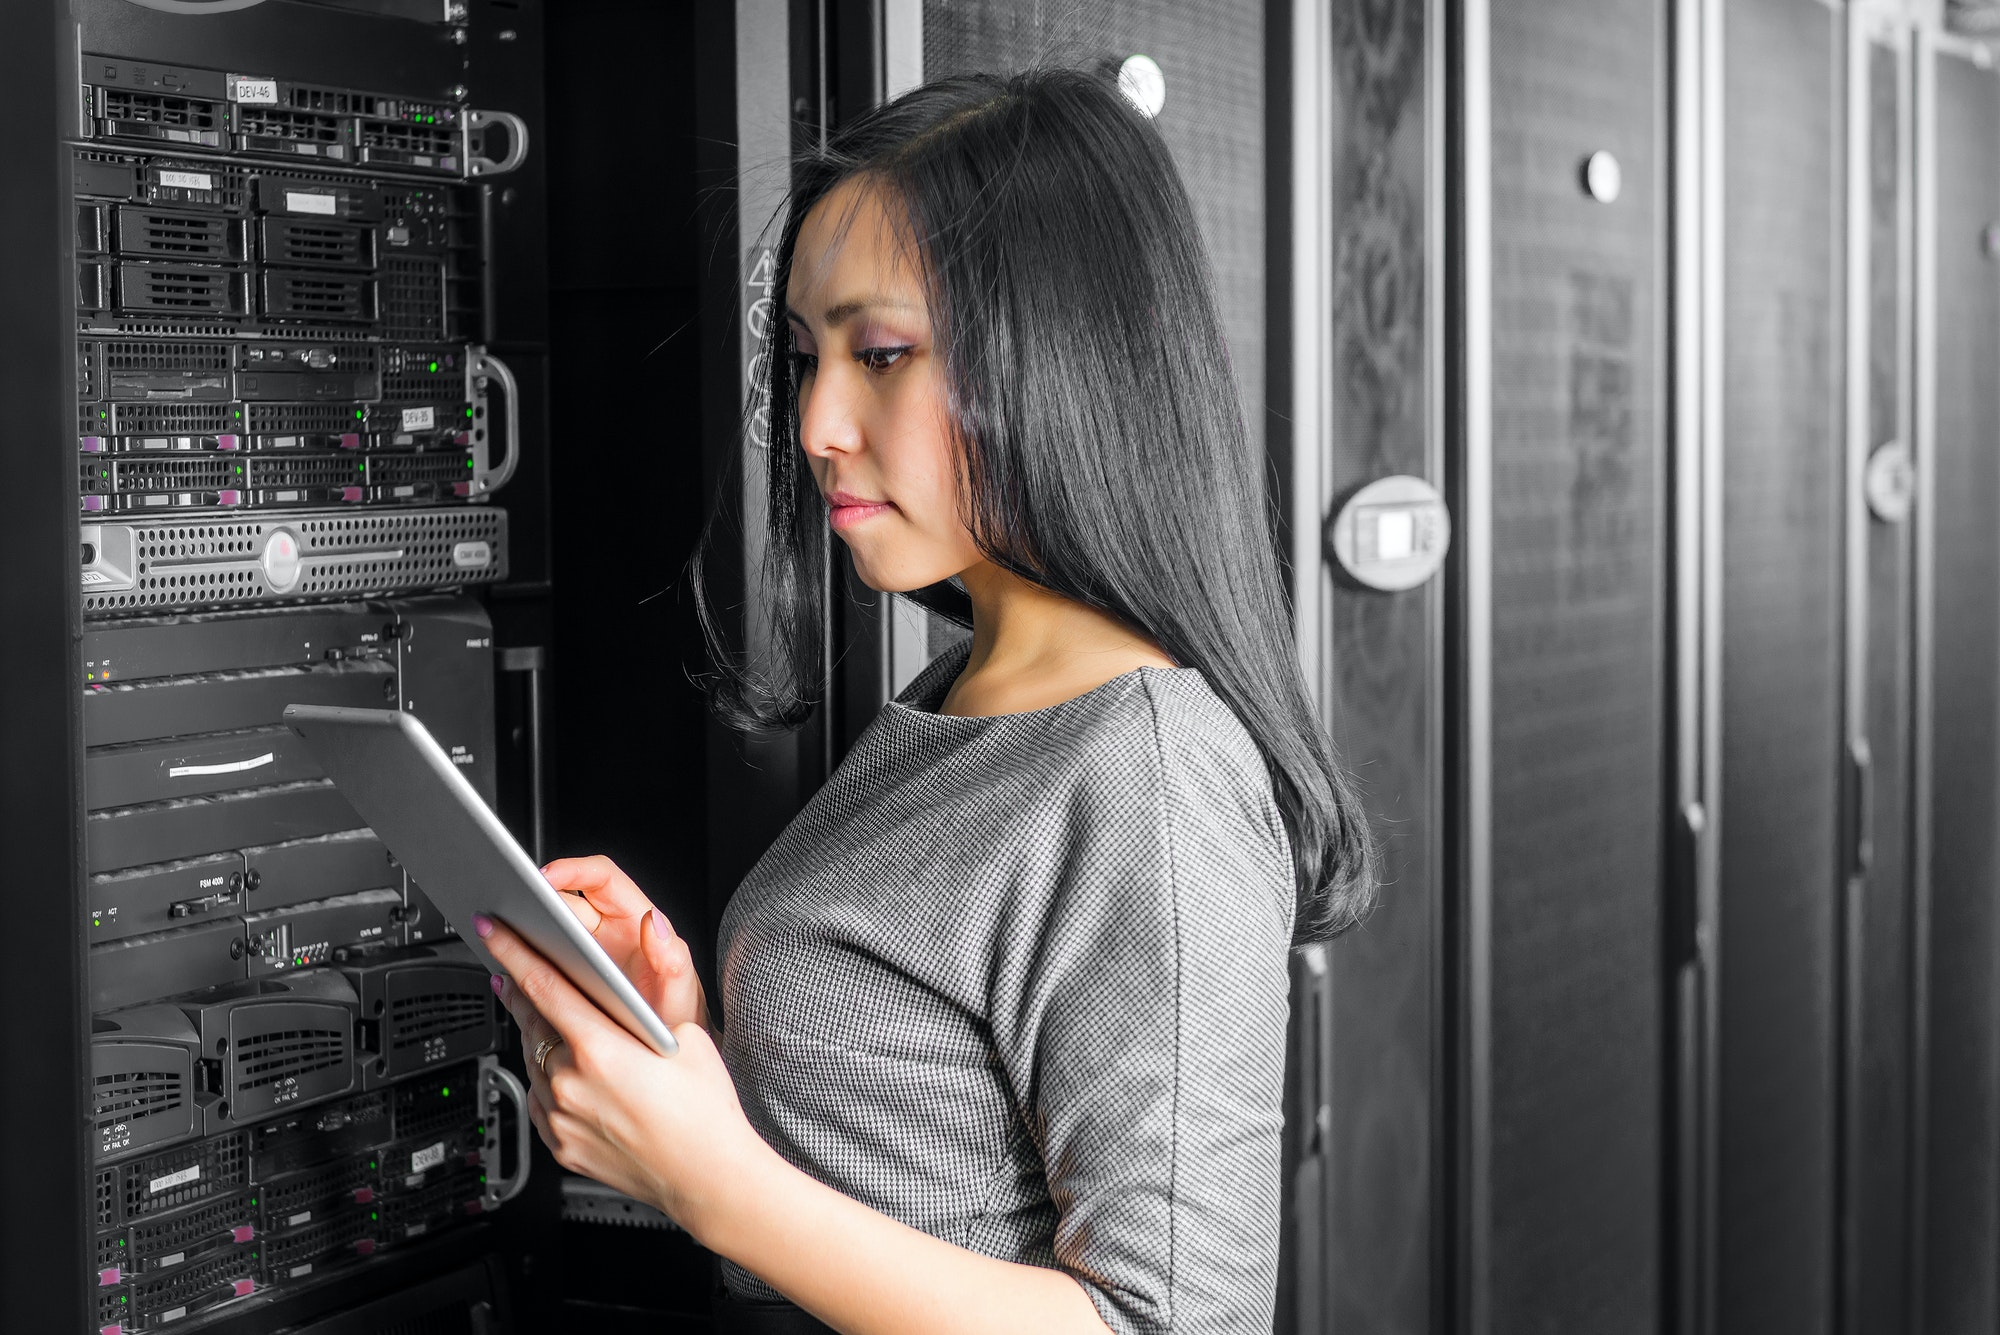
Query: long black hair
[{"x": 1100, "y": 435}]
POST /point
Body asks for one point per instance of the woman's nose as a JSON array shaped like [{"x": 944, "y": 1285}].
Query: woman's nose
[{"x": 828, "y": 421}]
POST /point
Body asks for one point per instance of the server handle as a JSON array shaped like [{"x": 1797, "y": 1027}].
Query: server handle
[
  {"x": 485, "y": 365},
  {"x": 497, "y": 1084},
  {"x": 517, "y": 142}
]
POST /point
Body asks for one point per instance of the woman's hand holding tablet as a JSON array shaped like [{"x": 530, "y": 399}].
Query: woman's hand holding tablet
[
  {"x": 637, "y": 936},
  {"x": 665, "y": 1130}
]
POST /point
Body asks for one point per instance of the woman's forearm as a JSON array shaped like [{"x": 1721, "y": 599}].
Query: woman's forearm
[{"x": 864, "y": 1273}]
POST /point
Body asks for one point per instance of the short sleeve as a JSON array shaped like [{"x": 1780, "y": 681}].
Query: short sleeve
[{"x": 1147, "y": 1038}]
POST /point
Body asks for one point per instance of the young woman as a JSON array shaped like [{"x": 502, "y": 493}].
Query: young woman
[{"x": 1004, "y": 1007}]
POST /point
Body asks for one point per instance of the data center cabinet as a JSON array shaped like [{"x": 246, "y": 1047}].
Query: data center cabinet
[{"x": 289, "y": 438}]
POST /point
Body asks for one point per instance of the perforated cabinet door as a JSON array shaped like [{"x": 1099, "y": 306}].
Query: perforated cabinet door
[
  {"x": 1577, "y": 663},
  {"x": 1783, "y": 460},
  {"x": 1962, "y": 1130}
]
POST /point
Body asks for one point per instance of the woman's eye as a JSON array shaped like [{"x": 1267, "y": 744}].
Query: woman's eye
[
  {"x": 881, "y": 359},
  {"x": 803, "y": 363}
]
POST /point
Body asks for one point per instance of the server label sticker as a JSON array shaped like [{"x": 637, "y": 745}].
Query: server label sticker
[
  {"x": 187, "y": 180},
  {"x": 427, "y": 1158},
  {"x": 311, "y": 201},
  {"x": 257, "y": 92},
  {"x": 472, "y": 555},
  {"x": 419, "y": 419},
  {"x": 186, "y": 1175}
]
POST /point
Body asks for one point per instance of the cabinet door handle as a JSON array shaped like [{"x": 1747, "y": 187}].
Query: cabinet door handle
[{"x": 1861, "y": 767}]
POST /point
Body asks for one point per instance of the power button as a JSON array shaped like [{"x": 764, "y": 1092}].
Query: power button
[{"x": 281, "y": 561}]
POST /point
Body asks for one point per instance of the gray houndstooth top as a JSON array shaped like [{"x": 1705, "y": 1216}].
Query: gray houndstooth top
[{"x": 1020, "y": 982}]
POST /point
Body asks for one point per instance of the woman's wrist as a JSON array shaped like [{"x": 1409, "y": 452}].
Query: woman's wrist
[{"x": 722, "y": 1213}]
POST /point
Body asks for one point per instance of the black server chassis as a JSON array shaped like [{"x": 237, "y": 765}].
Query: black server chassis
[{"x": 278, "y": 401}]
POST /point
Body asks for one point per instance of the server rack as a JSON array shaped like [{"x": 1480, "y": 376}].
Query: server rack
[{"x": 274, "y": 250}]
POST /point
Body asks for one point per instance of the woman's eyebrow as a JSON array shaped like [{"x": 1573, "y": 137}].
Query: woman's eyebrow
[{"x": 841, "y": 312}]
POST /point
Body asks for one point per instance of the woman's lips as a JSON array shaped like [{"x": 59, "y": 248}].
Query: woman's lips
[{"x": 845, "y": 510}]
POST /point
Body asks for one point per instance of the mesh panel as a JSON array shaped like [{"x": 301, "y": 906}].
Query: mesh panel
[
  {"x": 137, "y": 419},
  {"x": 318, "y": 1243},
  {"x": 413, "y": 1020},
  {"x": 264, "y": 1060},
  {"x": 124, "y": 104},
  {"x": 412, "y": 297},
  {"x": 163, "y": 287},
  {"x": 297, "y": 126},
  {"x": 200, "y": 1229},
  {"x": 179, "y": 236},
  {"x": 131, "y": 1096},
  {"x": 287, "y": 1195},
  {"x": 182, "y": 1176},
  {"x": 326, "y": 418},
  {"x": 311, "y": 242},
  {"x": 165, "y": 355},
  {"x": 366, "y": 554},
  {"x": 422, "y": 375},
  {"x": 317, "y": 296}
]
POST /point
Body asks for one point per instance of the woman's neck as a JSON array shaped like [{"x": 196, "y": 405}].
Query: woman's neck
[{"x": 1032, "y": 648}]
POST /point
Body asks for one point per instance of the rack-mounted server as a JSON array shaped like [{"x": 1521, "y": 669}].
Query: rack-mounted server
[{"x": 288, "y": 435}]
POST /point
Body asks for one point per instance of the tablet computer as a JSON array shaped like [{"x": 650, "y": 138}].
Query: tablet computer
[{"x": 392, "y": 771}]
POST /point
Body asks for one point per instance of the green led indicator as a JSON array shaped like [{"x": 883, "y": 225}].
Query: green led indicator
[
  {"x": 468, "y": 463},
  {"x": 371, "y": 1164},
  {"x": 358, "y": 412},
  {"x": 253, "y": 1199},
  {"x": 121, "y": 1242},
  {"x": 102, "y": 414},
  {"x": 434, "y": 366},
  {"x": 238, "y": 414},
  {"x": 446, "y": 1091},
  {"x": 371, "y": 1213},
  {"x": 468, "y": 412}
]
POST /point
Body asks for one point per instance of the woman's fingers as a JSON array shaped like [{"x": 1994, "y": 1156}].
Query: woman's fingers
[
  {"x": 532, "y": 979},
  {"x": 585, "y": 911},
  {"x": 598, "y": 879}
]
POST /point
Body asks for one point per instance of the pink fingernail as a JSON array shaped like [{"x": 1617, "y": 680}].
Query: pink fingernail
[
  {"x": 499, "y": 985},
  {"x": 659, "y": 924},
  {"x": 482, "y": 925}
]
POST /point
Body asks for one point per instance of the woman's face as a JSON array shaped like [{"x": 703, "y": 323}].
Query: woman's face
[{"x": 872, "y": 397}]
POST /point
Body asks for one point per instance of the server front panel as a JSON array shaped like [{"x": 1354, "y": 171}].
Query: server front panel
[{"x": 288, "y": 440}]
